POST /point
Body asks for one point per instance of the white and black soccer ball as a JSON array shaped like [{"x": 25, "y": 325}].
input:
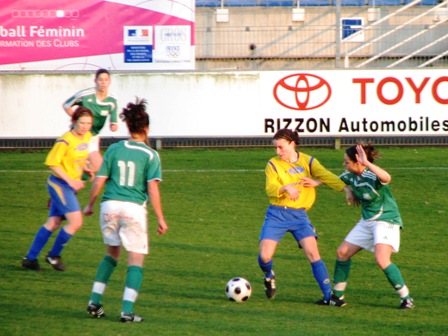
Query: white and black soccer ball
[{"x": 238, "y": 290}]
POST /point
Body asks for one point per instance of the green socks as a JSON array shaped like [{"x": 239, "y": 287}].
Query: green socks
[
  {"x": 396, "y": 280},
  {"x": 341, "y": 273},
  {"x": 133, "y": 282},
  {"x": 105, "y": 270}
]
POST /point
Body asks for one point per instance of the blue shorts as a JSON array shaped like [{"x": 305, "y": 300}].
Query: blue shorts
[
  {"x": 63, "y": 197},
  {"x": 280, "y": 220}
]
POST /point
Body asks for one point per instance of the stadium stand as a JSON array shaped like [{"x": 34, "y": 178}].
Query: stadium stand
[
  {"x": 290, "y": 3},
  {"x": 353, "y": 3},
  {"x": 269, "y": 3},
  {"x": 315, "y": 3},
  {"x": 424, "y": 2},
  {"x": 379, "y": 3},
  {"x": 241, "y": 3},
  {"x": 208, "y": 3},
  {"x": 273, "y": 3}
]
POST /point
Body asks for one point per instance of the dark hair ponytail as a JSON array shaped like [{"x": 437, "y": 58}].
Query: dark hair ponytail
[
  {"x": 135, "y": 116},
  {"x": 371, "y": 152},
  {"x": 288, "y": 135}
]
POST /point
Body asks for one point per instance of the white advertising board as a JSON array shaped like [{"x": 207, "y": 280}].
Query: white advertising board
[{"x": 244, "y": 104}]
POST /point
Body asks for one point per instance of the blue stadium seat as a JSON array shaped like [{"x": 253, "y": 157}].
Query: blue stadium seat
[
  {"x": 424, "y": 2},
  {"x": 351, "y": 2},
  {"x": 208, "y": 3},
  {"x": 240, "y": 3},
  {"x": 273, "y": 3},
  {"x": 315, "y": 3},
  {"x": 385, "y": 2}
]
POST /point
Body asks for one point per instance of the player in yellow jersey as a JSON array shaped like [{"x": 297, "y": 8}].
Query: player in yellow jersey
[
  {"x": 67, "y": 161},
  {"x": 290, "y": 181}
]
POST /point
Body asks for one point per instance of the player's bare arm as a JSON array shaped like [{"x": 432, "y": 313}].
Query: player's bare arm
[
  {"x": 378, "y": 171},
  {"x": 94, "y": 192}
]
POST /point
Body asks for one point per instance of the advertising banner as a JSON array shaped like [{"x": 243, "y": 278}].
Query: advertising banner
[
  {"x": 360, "y": 103},
  {"x": 89, "y": 34},
  {"x": 338, "y": 103}
]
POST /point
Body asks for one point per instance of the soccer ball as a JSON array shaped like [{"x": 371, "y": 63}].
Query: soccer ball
[{"x": 238, "y": 290}]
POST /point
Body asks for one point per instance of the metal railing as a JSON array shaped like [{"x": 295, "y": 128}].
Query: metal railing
[
  {"x": 240, "y": 142},
  {"x": 411, "y": 35}
]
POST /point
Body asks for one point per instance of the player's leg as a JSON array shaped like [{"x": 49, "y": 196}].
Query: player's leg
[
  {"x": 360, "y": 237},
  {"x": 265, "y": 258},
  {"x": 393, "y": 274},
  {"x": 95, "y": 160},
  {"x": 95, "y": 157},
  {"x": 342, "y": 266},
  {"x": 110, "y": 231},
  {"x": 320, "y": 271},
  {"x": 387, "y": 240},
  {"x": 265, "y": 261},
  {"x": 272, "y": 232},
  {"x": 53, "y": 257},
  {"x": 104, "y": 271},
  {"x": 134, "y": 236},
  {"x": 134, "y": 280},
  {"x": 40, "y": 240},
  {"x": 64, "y": 205},
  {"x": 56, "y": 189}
]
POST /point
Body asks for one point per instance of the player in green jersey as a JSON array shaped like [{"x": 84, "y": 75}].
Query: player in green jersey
[
  {"x": 102, "y": 104},
  {"x": 378, "y": 230},
  {"x": 131, "y": 173}
]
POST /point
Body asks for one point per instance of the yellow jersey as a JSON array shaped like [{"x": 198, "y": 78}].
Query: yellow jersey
[
  {"x": 70, "y": 153},
  {"x": 280, "y": 173}
]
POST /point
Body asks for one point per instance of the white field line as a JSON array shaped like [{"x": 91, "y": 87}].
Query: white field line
[{"x": 226, "y": 170}]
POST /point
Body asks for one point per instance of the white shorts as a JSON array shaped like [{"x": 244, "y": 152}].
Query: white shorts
[
  {"x": 367, "y": 234},
  {"x": 124, "y": 223},
  {"x": 94, "y": 144}
]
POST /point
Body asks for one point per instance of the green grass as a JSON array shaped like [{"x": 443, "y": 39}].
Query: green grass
[{"x": 214, "y": 202}]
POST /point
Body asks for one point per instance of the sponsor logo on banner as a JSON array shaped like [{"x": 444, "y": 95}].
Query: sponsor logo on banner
[
  {"x": 172, "y": 43},
  {"x": 138, "y": 44},
  {"x": 302, "y": 92}
]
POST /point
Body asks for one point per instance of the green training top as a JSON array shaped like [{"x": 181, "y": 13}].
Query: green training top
[
  {"x": 100, "y": 109},
  {"x": 377, "y": 201}
]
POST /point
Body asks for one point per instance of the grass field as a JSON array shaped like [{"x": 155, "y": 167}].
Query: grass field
[{"x": 214, "y": 202}]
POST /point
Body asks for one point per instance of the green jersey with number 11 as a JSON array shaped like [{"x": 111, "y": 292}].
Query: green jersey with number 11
[{"x": 128, "y": 167}]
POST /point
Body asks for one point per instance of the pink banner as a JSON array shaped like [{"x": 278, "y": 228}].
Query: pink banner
[{"x": 56, "y": 35}]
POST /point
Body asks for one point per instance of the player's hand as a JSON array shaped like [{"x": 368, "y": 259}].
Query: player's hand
[
  {"x": 361, "y": 155},
  {"x": 89, "y": 171},
  {"x": 76, "y": 184},
  {"x": 113, "y": 127},
  {"x": 292, "y": 191},
  {"x": 163, "y": 227},
  {"x": 350, "y": 197},
  {"x": 309, "y": 182},
  {"x": 88, "y": 210}
]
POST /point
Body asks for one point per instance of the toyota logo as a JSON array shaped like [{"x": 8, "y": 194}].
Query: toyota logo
[{"x": 302, "y": 92}]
